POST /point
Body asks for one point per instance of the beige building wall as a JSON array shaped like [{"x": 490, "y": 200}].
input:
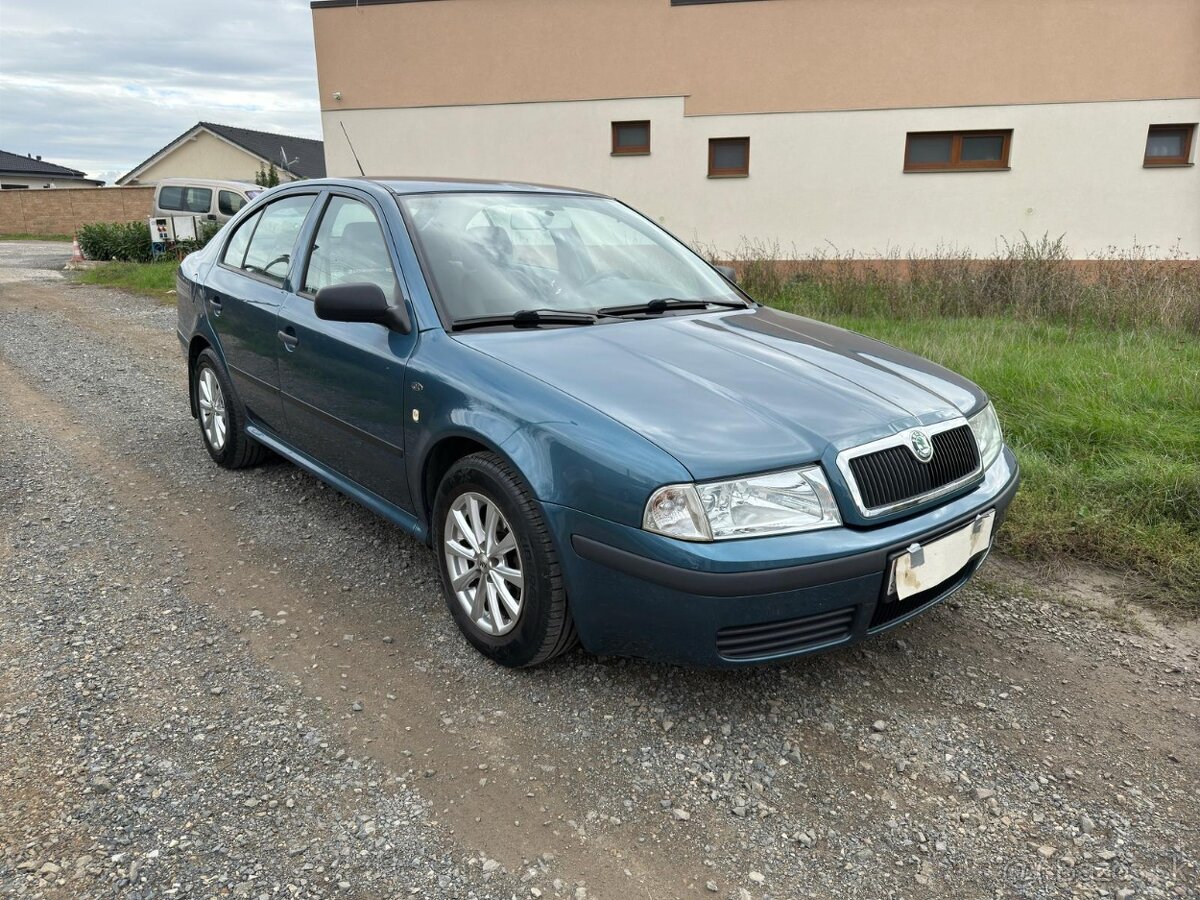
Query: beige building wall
[
  {"x": 205, "y": 156},
  {"x": 761, "y": 56},
  {"x": 825, "y": 89},
  {"x": 821, "y": 180}
]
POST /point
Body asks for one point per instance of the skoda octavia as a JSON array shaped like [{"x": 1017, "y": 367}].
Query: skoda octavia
[{"x": 601, "y": 437}]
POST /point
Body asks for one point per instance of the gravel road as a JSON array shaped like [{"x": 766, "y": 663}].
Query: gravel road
[{"x": 242, "y": 684}]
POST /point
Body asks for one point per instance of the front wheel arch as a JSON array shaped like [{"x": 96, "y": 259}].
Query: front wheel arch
[
  {"x": 545, "y": 628},
  {"x": 445, "y": 452}
]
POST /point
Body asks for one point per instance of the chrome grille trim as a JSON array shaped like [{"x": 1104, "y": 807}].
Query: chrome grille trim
[{"x": 901, "y": 440}]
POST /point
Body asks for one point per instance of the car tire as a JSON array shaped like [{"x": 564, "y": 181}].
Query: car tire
[
  {"x": 221, "y": 416},
  {"x": 510, "y": 535}
]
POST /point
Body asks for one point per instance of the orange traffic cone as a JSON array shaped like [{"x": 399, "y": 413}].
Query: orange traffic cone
[{"x": 76, "y": 251}]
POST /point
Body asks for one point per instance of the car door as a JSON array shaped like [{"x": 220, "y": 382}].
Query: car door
[
  {"x": 242, "y": 296},
  {"x": 343, "y": 382}
]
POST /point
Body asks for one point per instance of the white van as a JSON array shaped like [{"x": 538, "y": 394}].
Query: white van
[{"x": 216, "y": 201}]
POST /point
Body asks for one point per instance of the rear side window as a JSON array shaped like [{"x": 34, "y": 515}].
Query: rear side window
[
  {"x": 235, "y": 250},
  {"x": 270, "y": 252},
  {"x": 185, "y": 199},
  {"x": 229, "y": 202}
]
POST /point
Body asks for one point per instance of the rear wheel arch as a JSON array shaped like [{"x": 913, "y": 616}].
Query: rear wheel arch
[{"x": 229, "y": 444}]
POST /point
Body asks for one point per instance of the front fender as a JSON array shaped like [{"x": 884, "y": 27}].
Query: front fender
[{"x": 568, "y": 453}]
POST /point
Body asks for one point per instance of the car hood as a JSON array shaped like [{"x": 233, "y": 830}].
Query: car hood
[{"x": 738, "y": 392}]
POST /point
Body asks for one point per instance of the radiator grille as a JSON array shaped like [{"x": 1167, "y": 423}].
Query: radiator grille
[
  {"x": 789, "y": 635},
  {"x": 894, "y": 474}
]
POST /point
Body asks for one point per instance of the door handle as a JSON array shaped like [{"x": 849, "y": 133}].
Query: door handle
[
  {"x": 288, "y": 336},
  {"x": 214, "y": 300}
]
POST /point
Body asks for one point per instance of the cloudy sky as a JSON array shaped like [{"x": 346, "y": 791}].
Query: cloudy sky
[{"x": 99, "y": 85}]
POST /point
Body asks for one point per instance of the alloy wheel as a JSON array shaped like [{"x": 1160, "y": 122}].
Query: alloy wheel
[
  {"x": 214, "y": 418},
  {"x": 484, "y": 563}
]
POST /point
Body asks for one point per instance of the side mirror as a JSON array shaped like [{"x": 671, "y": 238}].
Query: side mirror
[
  {"x": 729, "y": 272},
  {"x": 363, "y": 302}
]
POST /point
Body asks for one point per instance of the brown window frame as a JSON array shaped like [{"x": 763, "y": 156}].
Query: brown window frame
[
  {"x": 641, "y": 150},
  {"x": 714, "y": 172},
  {"x": 956, "y": 164},
  {"x": 1184, "y": 159}
]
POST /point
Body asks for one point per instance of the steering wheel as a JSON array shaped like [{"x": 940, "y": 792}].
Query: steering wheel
[{"x": 286, "y": 257}]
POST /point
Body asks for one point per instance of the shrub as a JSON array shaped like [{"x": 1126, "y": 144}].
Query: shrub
[
  {"x": 1027, "y": 280},
  {"x": 205, "y": 233},
  {"x": 130, "y": 241}
]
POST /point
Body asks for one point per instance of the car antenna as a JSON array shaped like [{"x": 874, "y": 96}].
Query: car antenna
[{"x": 352, "y": 153}]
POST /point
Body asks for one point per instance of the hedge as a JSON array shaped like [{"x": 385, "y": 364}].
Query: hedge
[{"x": 130, "y": 241}]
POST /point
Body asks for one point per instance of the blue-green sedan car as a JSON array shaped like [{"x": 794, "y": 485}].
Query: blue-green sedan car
[{"x": 602, "y": 438}]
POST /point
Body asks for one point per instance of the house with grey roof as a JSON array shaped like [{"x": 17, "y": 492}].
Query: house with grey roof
[
  {"x": 209, "y": 150},
  {"x": 19, "y": 173}
]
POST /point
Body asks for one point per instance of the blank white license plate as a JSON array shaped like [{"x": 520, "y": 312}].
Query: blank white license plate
[{"x": 925, "y": 566}]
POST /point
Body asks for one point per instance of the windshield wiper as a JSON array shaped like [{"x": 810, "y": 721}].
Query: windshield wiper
[
  {"x": 527, "y": 318},
  {"x": 662, "y": 304}
]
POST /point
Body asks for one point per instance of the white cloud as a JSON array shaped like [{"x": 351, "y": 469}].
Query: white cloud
[{"x": 102, "y": 86}]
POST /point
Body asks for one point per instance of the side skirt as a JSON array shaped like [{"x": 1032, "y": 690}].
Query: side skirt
[{"x": 354, "y": 491}]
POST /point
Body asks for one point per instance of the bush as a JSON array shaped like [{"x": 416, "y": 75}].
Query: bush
[
  {"x": 130, "y": 241},
  {"x": 206, "y": 232}
]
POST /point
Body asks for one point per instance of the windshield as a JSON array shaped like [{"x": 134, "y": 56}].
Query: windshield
[{"x": 495, "y": 254}]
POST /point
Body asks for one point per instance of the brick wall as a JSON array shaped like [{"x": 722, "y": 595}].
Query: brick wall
[{"x": 62, "y": 210}]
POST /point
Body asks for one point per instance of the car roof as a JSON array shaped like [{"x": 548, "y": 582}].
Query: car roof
[{"x": 403, "y": 185}]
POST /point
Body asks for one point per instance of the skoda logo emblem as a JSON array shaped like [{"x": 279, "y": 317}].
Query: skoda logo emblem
[{"x": 922, "y": 448}]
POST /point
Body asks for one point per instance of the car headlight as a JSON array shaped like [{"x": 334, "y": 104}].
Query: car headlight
[
  {"x": 988, "y": 437},
  {"x": 778, "y": 503}
]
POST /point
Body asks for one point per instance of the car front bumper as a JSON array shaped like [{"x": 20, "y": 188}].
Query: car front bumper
[{"x": 746, "y": 602}]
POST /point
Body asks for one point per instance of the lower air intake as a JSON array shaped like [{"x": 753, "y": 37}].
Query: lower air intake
[{"x": 787, "y": 636}]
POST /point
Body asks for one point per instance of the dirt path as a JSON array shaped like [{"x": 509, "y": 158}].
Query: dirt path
[{"x": 1005, "y": 745}]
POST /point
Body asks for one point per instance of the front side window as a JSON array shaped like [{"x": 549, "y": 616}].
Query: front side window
[
  {"x": 350, "y": 249},
  {"x": 948, "y": 151},
  {"x": 270, "y": 252},
  {"x": 185, "y": 199},
  {"x": 499, "y": 253},
  {"x": 1169, "y": 145},
  {"x": 229, "y": 202}
]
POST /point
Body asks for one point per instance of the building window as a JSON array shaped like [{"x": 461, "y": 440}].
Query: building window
[
  {"x": 1169, "y": 145},
  {"x": 630, "y": 138},
  {"x": 953, "y": 151},
  {"x": 728, "y": 157}
]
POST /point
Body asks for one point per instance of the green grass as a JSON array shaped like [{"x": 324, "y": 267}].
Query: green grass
[
  {"x": 149, "y": 279},
  {"x": 1107, "y": 428},
  {"x": 26, "y": 236}
]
